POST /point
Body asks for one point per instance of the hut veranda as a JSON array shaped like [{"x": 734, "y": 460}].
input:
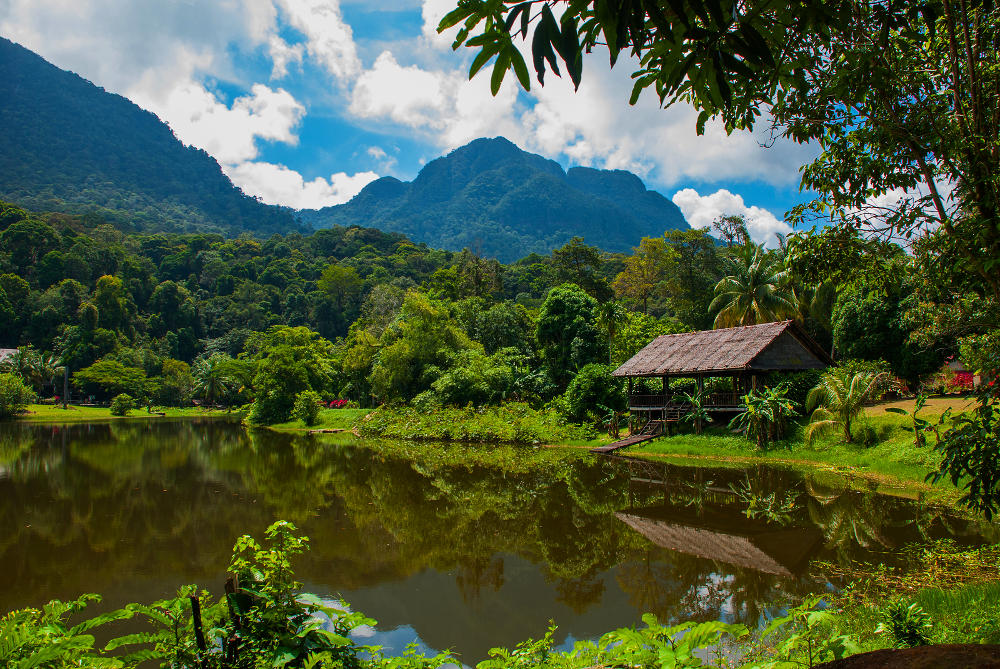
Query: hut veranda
[{"x": 745, "y": 354}]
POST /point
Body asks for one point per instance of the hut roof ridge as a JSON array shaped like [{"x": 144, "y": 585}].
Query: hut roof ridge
[{"x": 722, "y": 350}]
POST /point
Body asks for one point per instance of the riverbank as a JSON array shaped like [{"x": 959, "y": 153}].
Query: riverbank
[
  {"x": 48, "y": 413},
  {"x": 888, "y": 455},
  {"x": 512, "y": 423}
]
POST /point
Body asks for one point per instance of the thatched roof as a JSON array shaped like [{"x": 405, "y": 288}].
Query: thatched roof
[{"x": 781, "y": 346}]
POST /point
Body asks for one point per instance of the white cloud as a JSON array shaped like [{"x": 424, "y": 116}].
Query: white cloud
[
  {"x": 593, "y": 126},
  {"x": 276, "y": 184},
  {"x": 701, "y": 210},
  {"x": 445, "y": 104},
  {"x": 229, "y": 134},
  {"x": 330, "y": 40},
  {"x": 282, "y": 54}
]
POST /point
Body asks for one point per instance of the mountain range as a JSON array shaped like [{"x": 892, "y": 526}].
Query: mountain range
[
  {"x": 74, "y": 147},
  {"x": 492, "y": 197}
]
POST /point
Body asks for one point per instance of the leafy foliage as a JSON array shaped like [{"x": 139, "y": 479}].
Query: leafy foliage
[
  {"x": 122, "y": 404},
  {"x": 907, "y": 626},
  {"x": 14, "y": 395},
  {"x": 766, "y": 414},
  {"x": 754, "y": 290},
  {"x": 838, "y": 399},
  {"x": 306, "y": 407}
]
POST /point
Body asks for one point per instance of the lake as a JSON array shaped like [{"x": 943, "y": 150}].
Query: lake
[{"x": 449, "y": 546}]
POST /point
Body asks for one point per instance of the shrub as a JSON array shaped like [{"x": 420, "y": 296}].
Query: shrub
[
  {"x": 14, "y": 395},
  {"x": 306, "y": 407},
  {"x": 593, "y": 386},
  {"x": 122, "y": 404},
  {"x": 838, "y": 400}
]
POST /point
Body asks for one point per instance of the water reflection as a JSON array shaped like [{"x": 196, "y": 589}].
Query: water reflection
[{"x": 462, "y": 548}]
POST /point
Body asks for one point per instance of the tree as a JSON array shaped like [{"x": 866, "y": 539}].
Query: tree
[
  {"x": 106, "y": 378},
  {"x": 416, "y": 348},
  {"x": 691, "y": 284},
  {"x": 732, "y": 229},
  {"x": 114, "y": 304},
  {"x": 14, "y": 395},
  {"x": 839, "y": 398},
  {"x": 645, "y": 272},
  {"x": 286, "y": 361},
  {"x": 873, "y": 325},
  {"x": 754, "y": 291},
  {"x": 591, "y": 388},
  {"x": 566, "y": 332},
  {"x": 610, "y": 316},
  {"x": 576, "y": 262},
  {"x": 342, "y": 283},
  {"x": 218, "y": 377},
  {"x": 896, "y": 94}
]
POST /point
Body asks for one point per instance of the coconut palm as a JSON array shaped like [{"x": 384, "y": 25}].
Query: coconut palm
[
  {"x": 610, "y": 315},
  {"x": 838, "y": 399},
  {"x": 211, "y": 377},
  {"x": 754, "y": 290}
]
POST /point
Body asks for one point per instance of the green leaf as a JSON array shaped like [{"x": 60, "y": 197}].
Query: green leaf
[
  {"x": 499, "y": 71},
  {"x": 482, "y": 58},
  {"x": 520, "y": 68}
]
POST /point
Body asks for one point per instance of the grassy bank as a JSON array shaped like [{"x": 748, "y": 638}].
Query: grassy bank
[
  {"x": 327, "y": 419},
  {"x": 509, "y": 423},
  {"x": 888, "y": 453},
  {"x": 48, "y": 413}
]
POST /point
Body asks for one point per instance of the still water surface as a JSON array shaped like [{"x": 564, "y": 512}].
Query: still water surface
[{"x": 449, "y": 546}]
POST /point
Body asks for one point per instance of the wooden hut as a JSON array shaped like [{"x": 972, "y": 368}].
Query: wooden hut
[{"x": 745, "y": 354}]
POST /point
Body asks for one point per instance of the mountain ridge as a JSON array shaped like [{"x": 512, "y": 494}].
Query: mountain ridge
[
  {"x": 496, "y": 198},
  {"x": 73, "y": 146}
]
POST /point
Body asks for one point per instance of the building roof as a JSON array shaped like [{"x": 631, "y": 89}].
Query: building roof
[{"x": 781, "y": 346}]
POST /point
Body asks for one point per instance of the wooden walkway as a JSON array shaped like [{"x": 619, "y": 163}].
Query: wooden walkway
[{"x": 622, "y": 443}]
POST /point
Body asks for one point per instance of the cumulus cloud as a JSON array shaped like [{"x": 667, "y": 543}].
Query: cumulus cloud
[
  {"x": 229, "y": 134},
  {"x": 450, "y": 108},
  {"x": 593, "y": 126},
  {"x": 701, "y": 210},
  {"x": 330, "y": 40},
  {"x": 276, "y": 184},
  {"x": 282, "y": 54}
]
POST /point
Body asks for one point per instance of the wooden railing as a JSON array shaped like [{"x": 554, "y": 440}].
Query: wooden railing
[{"x": 724, "y": 399}]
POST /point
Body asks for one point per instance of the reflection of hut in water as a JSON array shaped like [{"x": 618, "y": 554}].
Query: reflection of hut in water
[
  {"x": 773, "y": 551},
  {"x": 707, "y": 521}
]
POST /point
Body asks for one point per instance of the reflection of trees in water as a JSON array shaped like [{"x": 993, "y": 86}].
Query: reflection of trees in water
[{"x": 169, "y": 498}]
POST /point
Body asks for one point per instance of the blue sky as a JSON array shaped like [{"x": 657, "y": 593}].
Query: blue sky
[{"x": 303, "y": 102}]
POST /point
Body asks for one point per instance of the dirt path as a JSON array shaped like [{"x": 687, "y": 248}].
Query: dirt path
[{"x": 935, "y": 405}]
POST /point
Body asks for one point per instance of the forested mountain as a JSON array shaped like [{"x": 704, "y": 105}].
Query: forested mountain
[
  {"x": 492, "y": 197},
  {"x": 71, "y": 146}
]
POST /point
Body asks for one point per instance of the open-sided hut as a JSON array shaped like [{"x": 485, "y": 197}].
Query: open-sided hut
[{"x": 745, "y": 354}]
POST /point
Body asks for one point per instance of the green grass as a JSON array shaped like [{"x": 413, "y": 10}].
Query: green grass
[
  {"x": 892, "y": 453},
  {"x": 47, "y": 413},
  {"x": 515, "y": 423},
  {"x": 328, "y": 419}
]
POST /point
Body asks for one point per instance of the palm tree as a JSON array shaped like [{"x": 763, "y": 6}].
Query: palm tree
[
  {"x": 610, "y": 315},
  {"x": 210, "y": 377},
  {"x": 838, "y": 399},
  {"x": 754, "y": 291}
]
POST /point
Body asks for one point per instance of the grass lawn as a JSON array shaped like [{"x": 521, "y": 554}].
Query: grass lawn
[
  {"x": 328, "y": 419},
  {"x": 890, "y": 454},
  {"x": 48, "y": 413}
]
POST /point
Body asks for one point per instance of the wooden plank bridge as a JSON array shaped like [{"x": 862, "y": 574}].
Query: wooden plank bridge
[{"x": 651, "y": 430}]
